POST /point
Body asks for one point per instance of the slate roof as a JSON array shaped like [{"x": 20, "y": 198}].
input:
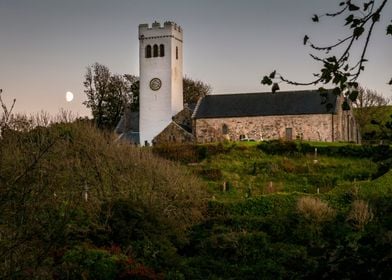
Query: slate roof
[
  {"x": 134, "y": 123},
  {"x": 130, "y": 134},
  {"x": 266, "y": 104}
]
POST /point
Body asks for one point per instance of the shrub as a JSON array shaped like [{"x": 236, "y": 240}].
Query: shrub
[
  {"x": 45, "y": 172},
  {"x": 211, "y": 174},
  {"x": 185, "y": 153},
  {"x": 360, "y": 214},
  {"x": 376, "y": 152},
  {"x": 313, "y": 209},
  {"x": 323, "y": 180},
  {"x": 278, "y": 147},
  {"x": 86, "y": 263}
]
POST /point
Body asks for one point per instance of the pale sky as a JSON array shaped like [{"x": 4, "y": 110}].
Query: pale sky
[{"x": 46, "y": 45}]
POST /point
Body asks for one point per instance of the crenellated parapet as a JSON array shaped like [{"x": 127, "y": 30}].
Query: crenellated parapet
[
  {"x": 157, "y": 25},
  {"x": 157, "y": 30}
]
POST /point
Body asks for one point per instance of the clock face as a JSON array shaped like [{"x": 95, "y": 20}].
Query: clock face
[{"x": 155, "y": 84}]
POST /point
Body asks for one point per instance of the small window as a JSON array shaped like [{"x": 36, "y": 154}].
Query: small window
[
  {"x": 155, "y": 50},
  {"x": 161, "y": 50},
  {"x": 148, "y": 51},
  {"x": 225, "y": 129},
  {"x": 176, "y": 52}
]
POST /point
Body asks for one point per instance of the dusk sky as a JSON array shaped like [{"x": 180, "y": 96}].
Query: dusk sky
[{"x": 46, "y": 45}]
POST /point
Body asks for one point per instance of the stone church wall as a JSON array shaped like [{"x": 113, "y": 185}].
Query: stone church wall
[
  {"x": 320, "y": 127},
  {"x": 173, "y": 134}
]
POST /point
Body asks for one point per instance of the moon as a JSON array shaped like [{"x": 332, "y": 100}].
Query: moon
[{"x": 69, "y": 96}]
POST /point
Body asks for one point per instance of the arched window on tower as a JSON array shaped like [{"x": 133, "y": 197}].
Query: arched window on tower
[
  {"x": 176, "y": 52},
  {"x": 161, "y": 50},
  {"x": 155, "y": 50},
  {"x": 148, "y": 51}
]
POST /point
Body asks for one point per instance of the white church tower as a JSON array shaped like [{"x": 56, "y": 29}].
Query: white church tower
[{"x": 161, "y": 93}]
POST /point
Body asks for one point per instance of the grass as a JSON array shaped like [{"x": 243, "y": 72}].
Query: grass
[{"x": 246, "y": 171}]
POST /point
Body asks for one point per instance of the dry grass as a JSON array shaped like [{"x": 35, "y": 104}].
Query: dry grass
[
  {"x": 313, "y": 209},
  {"x": 360, "y": 214}
]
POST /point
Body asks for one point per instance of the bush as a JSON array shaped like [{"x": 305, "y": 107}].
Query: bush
[
  {"x": 360, "y": 214},
  {"x": 184, "y": 153},
  {"x": 211, "y": 174},
  {"x": 85, "y": 263},
  {"x": 278, "y": 147},
  {"x": 57, "y": 182},
  {"x": 323, "y": 180},
  {"x": 315, "y": 210},
  {"x": 377, "y": 153}
]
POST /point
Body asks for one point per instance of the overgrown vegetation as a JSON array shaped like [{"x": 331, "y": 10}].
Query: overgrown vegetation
[
  {"x": 376, "y": 126},
  {"x": 68, "y": 192},
  {"x": 75, "y": 204}
]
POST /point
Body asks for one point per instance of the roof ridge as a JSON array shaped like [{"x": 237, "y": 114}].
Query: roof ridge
[{"x": 268, "y": 92}]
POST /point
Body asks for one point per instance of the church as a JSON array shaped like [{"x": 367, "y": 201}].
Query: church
[{"x": 163, "y": 118}]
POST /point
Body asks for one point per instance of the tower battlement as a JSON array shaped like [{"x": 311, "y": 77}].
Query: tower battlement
[{"x": 170, "y": 25}]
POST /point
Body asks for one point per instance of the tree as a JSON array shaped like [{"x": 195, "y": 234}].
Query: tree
[
  {"x": 194, "y": 89},
  {"x": 6, "y": 115},
  {"x": 107, "y": 94},
  {"x": 344, "y": 69},
  {"x": 369, "y": 98},
  {"x": 369, "y": 106},
  {"x": 135, "y": 90}
]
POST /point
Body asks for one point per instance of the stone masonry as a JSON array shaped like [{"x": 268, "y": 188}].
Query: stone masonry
[{"x": 320, "y": 127}]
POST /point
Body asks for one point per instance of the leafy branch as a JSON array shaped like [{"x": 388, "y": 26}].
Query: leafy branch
[{"x": 339, "y": 70}]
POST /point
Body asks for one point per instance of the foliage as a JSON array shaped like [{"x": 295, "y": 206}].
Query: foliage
[
  {"x": 59, "y": 186},
  {"x": 369, "y": 98},
  {"x": 135, "y": 91},
  {"x": 372, "y": 122},
  {"x": 242, "y": 170},
  {"x": 376, "y": 152},
  {"x": 108, "y": 94},
  {"x": 81, "y": 263},
  {"x": 86, "y": 262},
  {"x": 315, "y": 210},
  {"x": 360, "y": 214},
  {"x": 369, "y": 107},
  {"x": 291, "y": 235},
  {"x": 194, "y": 90},
  {"x": 344, "y": 69},
  {"x": 74, "y": 204},
  {"x": 190, "y": 153}
]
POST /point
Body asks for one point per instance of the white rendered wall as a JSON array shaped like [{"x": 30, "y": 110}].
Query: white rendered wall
[{"x": 158, "y": 107}]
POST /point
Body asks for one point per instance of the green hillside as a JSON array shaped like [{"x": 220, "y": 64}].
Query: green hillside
[{"x": 76, "y": 204}]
